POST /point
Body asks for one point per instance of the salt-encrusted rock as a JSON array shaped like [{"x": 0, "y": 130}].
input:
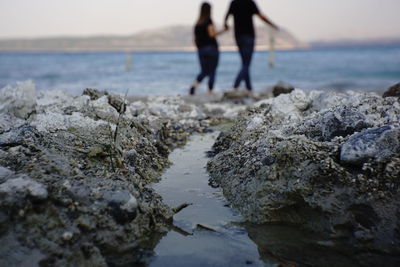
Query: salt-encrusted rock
[
  {"x": 95, "y": 159},
  {"x": 124, "y": 199},
  {"x": 103, "y": 110},
  {"x": 341, "y": 122},
  {"x": 136, "y": 108},
  {"x": 19, "y": 100},
  {"x": 281, "y": 162},
  {"x": 95, "y": 162},
  {"x": 225, "y": 111},
  {"x": 8, "y": 121},
  {"x": 94, "y": 94},
  {"x": 4, "y": 174},
  {"x": 17, "y": 136},
  {"x": 122, "y": 205},
  {"x": 171, "y": 107},
  {"x": 393, "y": 91},
  {"x": 52, "y": 122},
  {"x": 52, "y": 99},
  {"x": 21, "y": 187},
  {"x": 117, "y": 102},
  {"x": 287, "y": 106},
  {"x": 377, "y": 144}
]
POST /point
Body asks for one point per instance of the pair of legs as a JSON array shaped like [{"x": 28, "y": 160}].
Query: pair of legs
[
  {"x": 246, "y": 49},
  {"x": 208, "y": 57}
]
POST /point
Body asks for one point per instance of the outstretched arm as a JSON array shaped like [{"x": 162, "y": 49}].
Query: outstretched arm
[{"x": 266, "y": 20}]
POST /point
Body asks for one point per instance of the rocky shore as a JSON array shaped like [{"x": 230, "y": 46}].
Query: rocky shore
[
  {"x": 325, "y": 161},
  {"x": 75, "y": 173}
]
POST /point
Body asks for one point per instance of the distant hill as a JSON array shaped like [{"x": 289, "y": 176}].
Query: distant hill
[
  {"x": 356, "y": 43},
  {"x": 173, "y": 38}
]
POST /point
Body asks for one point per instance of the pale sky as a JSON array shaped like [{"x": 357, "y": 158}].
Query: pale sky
[{"x": 307, "y": 19}]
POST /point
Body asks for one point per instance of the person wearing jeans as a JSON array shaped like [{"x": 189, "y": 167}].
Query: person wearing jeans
[
  {"x": 246, "y": 49},
  {"x": 242, "y": 12},
  {"x": 208, "y": 58},
  {"x": 207, "y": 47}
]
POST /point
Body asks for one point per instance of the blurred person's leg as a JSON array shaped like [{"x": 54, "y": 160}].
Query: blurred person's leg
[
  {"x": 202, "y": 54},
  {"x": 246, "y": 49},
  {"x": 213, "y": 64}
]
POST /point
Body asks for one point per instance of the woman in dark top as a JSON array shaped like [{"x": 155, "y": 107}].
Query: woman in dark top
[
  {"x": 243, "y": 11},
  {"x": 205, "y": 39}
]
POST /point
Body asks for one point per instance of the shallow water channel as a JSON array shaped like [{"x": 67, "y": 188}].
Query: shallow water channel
[
  {"x": 206, "y": 233},
  {"x": 211, "y": 233}
]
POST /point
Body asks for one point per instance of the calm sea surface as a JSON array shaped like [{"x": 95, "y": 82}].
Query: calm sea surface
[{"x": 171, "y": 73}]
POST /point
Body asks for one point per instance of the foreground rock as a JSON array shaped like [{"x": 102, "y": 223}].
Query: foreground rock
[
  {"x": 73, "y": 186},
  {"x": 326, "y": 161}
]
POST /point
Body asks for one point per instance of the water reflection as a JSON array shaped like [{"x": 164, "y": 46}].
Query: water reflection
[{"x": 293, "y": 246}]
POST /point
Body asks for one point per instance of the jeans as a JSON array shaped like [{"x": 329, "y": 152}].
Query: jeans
[
  {"x": 208, "y": 57},
  {"x": 246, "y": 49}
]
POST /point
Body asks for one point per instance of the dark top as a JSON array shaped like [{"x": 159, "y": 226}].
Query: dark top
[
  {"x": 202, "y": 38},
  {"x": 243, "y": 11}
]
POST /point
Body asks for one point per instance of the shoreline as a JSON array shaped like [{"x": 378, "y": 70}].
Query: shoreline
[{"x": 223, "y": 49}]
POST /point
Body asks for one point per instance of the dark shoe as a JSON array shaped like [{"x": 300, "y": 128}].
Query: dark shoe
[{"x": 191, "y": 92}]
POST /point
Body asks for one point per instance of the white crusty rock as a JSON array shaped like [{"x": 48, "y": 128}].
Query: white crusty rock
[
  {"x": 371, "y": 144},
  {"x": 103, "y": 110},
  {"x": 8, "y": 121},
  {"x": 331, "y": 166},
  {"x": 4, "y": 174},
  {"x": 53, "y": 99},
  {"x": 19, "y": 100},
  {"x": 131, "y": 205},
  {"x": 52, "y": 122},
  {"x": 289, "y": 106},
  {"x": 23, "y": 186}
]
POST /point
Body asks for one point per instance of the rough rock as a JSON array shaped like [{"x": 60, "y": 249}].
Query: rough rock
[
  {"x": 287, "y": 106},
  {"x": 94, "y": 94},
  {"x": 20, "y": 100},
  {"x": 53, "y": 98},
  {"x": 117, "y": 102},
  {"x": 51, "y": 122},
  {"x": 236, "y": 95},
  {"x": 74, "y": 186},
  {"x": 393, "y": 91},
  {"x": 287, "y": 160},
  {"x": 4, "y": 174},
  {"x": 282, "y": 88},
  {"x": 21, "y": 187},
  {"x": 335, "y": 122},
  {"x": 104, "y": 111},
  {"x": 377, "y": 144},
  {"x": 8, "y": 121}
]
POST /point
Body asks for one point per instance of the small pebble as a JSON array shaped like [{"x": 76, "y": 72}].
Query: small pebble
[{"x": 67, "y": 236}]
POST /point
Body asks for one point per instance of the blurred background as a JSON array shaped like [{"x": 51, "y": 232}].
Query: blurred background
[{"x": 146, "y": 46}]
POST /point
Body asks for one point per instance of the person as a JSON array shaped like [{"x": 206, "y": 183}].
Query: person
[
  {"x": 242, "y": 12},
  {"x": 207, "y": 46}
]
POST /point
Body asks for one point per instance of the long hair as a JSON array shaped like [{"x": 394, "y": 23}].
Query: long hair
[{"x": 205, "y": 13}]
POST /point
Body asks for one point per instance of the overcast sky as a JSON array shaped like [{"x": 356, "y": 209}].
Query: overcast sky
[{"x": 307, "y": 19}]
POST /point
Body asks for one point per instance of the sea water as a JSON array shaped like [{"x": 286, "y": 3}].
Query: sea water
[
  {"x": 171, "y": 73},
  {"x": 211, "y": 232}
]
